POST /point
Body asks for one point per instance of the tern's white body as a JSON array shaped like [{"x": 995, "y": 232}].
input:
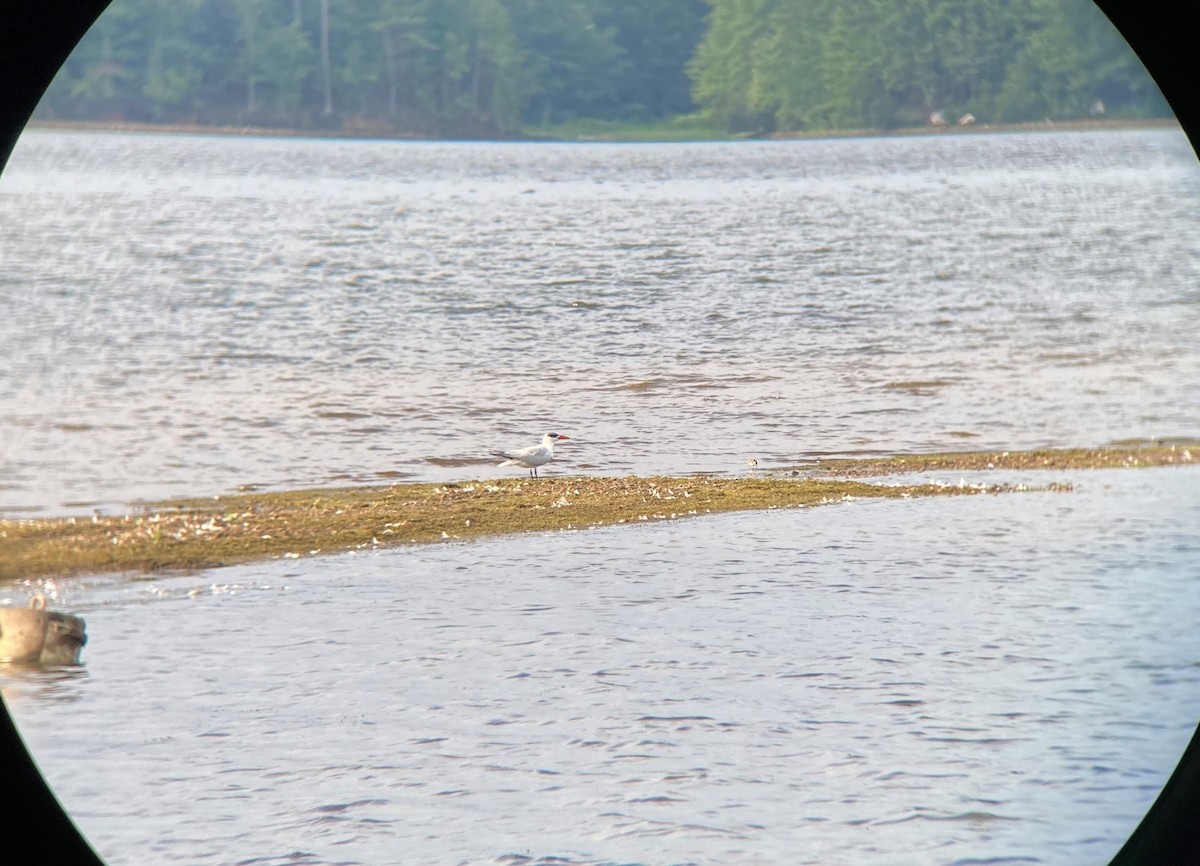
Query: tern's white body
[{"x": 532, "y": 457}]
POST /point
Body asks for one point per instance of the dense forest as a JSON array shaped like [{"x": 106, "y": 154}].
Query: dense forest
[{"x": 504, "y": 67}]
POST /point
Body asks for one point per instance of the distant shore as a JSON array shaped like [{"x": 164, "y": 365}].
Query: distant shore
[
  {"x": 1039, "y": 126},
  {"x": 613, "y": 134}
]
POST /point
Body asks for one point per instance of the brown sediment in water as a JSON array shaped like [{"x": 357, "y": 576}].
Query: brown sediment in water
[{"x": 224, "y": 530}]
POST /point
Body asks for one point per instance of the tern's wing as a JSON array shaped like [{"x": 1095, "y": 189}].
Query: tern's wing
[{"x": 521, "y": 453}]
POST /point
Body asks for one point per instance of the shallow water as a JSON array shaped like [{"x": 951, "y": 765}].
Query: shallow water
[
  {"x": 190, "y": 314},
  {"x": 990, "y": 679},
  {"x": 997, "y": 679}
]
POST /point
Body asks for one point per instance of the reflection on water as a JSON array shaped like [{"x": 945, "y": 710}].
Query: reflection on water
[
  {"x": 195, "y": 314},
  {"x": 988, "y": 679},
  {"x": 58, "y": 683}
]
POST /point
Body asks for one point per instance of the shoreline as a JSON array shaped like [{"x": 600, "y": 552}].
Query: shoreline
[
  {"x": 1092, "y": 125},
  {"x": 226, "y": 530}
]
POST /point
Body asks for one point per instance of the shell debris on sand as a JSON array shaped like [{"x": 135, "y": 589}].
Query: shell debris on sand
[{"x": 223, "y": 530}]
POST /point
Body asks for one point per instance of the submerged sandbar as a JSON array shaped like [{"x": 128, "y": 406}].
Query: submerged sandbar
[{"x": 224, "y": 530}]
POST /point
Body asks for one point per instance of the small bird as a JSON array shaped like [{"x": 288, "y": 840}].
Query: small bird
[{"x": 533, "y": 456}]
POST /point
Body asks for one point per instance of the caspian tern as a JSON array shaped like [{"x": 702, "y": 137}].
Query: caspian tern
[{"x": 533, "y": 456}]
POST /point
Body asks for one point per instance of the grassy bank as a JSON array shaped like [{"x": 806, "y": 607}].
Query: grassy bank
[
  {"x": 672, "y": 129},
  {"x": 694, "y": 129},
  {"x": 203, "y": 533}
]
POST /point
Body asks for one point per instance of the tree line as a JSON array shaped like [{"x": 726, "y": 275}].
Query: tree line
[
  {"x": 498, "y": 67},
  {"x": 837, "y": 64}
]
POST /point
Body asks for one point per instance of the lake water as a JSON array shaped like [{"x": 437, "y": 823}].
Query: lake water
[
  {"x": 989, "y": 679},
  {"x": 188, "y": 315}
]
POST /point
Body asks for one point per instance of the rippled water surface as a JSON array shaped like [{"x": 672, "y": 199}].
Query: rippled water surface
[
  {"x": 1004, "y": 679},
  {"x": 194, "y": 314},
  {"x": 991, "y": 679}
]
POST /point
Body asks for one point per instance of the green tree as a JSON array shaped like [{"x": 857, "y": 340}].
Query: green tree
[
  {"x": 98, "y": 76},
  {"x": 567, "y": 60},
  {"x": 851, "y": 69},
  {"x": 728, "y": 80},
  {"x": 654, "y": 39},
  {"x": 403, "y": 27},
  {"x": 273, "y": 55},
  {"x": 789, "y": 83},
  {"x": 175, "y": 60},
  {"x": 839, "y": 64},
  {"x": 1071, "y": 56}
]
